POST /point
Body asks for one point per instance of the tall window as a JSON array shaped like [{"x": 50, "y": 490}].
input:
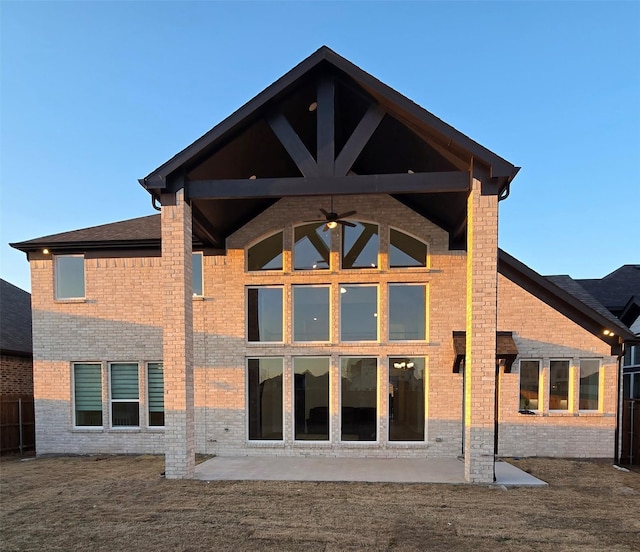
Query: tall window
[
  {"x": 406, "y": 251},
  {"x": 264, "y": 376},
  {"x": 406, "y": 399},
  {"x": 589, "y": 384},
  {"x": 87, "y": 387},
  {"x": 360, "y": 245},
  {"x": 197, "y": 274},
  {"x": 69, "y": 276},
  {"x": 559, "y": 385},
  {"x": 311, "y": 313},
  {"x": 311, "y": 247},
  {"x": 311, "y": 398},
  {"x": 125, "y": 395},
  {"x": 155, "y": 393},
  {"x": 266, "y": 254},
  {"x": 264, "y": 314},
  {"x": 358, "y": 313},
  {"x": 407, "y": 312},
  {"x": 358, "y": 398},
  {"x": 529, "y": 384}
]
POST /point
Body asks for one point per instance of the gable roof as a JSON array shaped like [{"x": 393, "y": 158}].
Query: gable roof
[
  {"x": 325, "y": 128},
  {"x": 15, "y": 320},
  {"x": 616, "y": 289}
]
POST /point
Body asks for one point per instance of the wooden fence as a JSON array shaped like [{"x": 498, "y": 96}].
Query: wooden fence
[{"x": 17, "y": 423}]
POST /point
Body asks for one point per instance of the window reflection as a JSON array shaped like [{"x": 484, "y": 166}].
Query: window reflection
[
  {"x": 406, "y": 251},
  {"x": 266, "y": 254},
  {"x": 406, "y": 399},
  {"x": 311, "y": 398},
  {"x": 360, "y": 245},
  {"x": 265, "y": 398},
  {"x": 311, "y": 247},
  {"x": 358, "y": 394}
]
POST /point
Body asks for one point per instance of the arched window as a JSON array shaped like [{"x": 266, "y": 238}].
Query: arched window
[
  {"x": 405, "y": 251},
  {"x": 266, "y": 254},
  {"x": 311, "y": 247}
]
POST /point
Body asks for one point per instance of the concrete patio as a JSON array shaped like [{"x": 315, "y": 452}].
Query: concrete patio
[{"x": 382, "y": 470}]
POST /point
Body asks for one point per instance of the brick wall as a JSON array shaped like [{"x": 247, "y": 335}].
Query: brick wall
[
  {"x": 16, "y": 375},
  {"x": 122, "y": 320}
]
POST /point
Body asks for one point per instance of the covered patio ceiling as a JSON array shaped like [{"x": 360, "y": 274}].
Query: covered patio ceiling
[{"x": 328, "y": 128}]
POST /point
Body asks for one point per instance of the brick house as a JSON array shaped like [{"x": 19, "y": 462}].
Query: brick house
[{"x": 324, "y": 279}]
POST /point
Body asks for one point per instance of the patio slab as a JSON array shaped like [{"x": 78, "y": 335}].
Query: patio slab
[{"x": 382, "y": 470}]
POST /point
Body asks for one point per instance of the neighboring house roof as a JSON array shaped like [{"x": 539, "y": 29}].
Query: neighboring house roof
[
  {"x": 560, "y": 292},
  {"x": 616, "y": 291},
  {"x": 15, "y": 320}
]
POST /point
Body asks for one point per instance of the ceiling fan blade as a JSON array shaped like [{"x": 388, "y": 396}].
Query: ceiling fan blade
[
  {"x": 347, "y": 214},
  {"x": 325, "y": 213},
  {"x": 326, "y": 227},
  {"x": 346, "y": 223}
]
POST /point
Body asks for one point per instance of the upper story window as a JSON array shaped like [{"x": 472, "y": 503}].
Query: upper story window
[
  {"x": 69, "y": 276},
  {"x": 405, "y": 251},
  {"x": 360, "y": 245},
  {"x": 407, "y": 312},
  {"x": 266, "y": 254},
  {"x": 311, "y": 313},
  {"x": 197, "y": 275},
  {"x": 264, "y": 314},
  {"x": 631, "y": 355},
  {"x": 311, "y": 247},
  {"x": 358, "y": 313}
]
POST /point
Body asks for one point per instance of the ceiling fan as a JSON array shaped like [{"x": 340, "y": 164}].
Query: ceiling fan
[{"x": 333, "y": 218}]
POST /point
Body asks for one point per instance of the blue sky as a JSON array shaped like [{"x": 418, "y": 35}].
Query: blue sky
[{"x": 95, "y": 95}]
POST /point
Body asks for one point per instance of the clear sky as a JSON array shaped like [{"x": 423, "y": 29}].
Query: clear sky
[{"x": 95, "y": 95}]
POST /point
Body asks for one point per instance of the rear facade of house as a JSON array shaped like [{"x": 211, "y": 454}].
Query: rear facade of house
[{"x": 245, "y": 320}]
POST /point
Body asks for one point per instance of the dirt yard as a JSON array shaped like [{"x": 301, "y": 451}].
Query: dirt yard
[{"x": 122, "y": 503}]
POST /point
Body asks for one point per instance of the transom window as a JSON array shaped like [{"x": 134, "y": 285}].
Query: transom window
[
  {"x": 311, "y": 247},
  {"x": 406, "y": 251},
  {"x": 266, "y": 254},
  {"x": 360, "y": 245}
]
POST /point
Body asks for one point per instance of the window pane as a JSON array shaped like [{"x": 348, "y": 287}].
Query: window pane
[
  {"x": 124, "y": 395},
  {"x": 589, "y": 384},
  {"x": 87, "y": 380},
  {"x": 559, "y": 385},
  {"x": 310, "y": 313},
  {"x": 265, "y": 398},
  {"x": 407, "y": 312},
  {"x": 311, "y": 398},
  {"x": 360, "y": 246},
  {"x": 358, "y": 397},
  {"x": 155, "y": 379},
  {"x": 529, "y": 384},
  {"x": 267, "y": 254},
  {"x": 358, "y": 313},
  {"x": 311, "y": 247},
  {"x": 406, "y": 399},
  {"x": 627, "y": 355},
  {"x": 405, "y": 250},
  {"x": 197, "y": 274},
  {"x": 264, "y": 316},
  {"x": 69, "y": 277}
]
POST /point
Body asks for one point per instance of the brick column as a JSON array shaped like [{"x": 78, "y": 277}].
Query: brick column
[
  {"x": 177, "y": 343},
  {"x": 480, "y": 362}
]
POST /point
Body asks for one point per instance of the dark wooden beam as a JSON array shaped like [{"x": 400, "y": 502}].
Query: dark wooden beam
[
  {"x": 418, "y": 183},
  {"x": 358, "y": 139},
  {"x": 325, "y": 127},
  {"x": 204, "y": 229},
  {"x": 293, "y": 144}
]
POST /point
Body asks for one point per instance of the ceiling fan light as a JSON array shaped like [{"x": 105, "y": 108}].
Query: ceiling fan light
[{"x": 332, "y": 224}]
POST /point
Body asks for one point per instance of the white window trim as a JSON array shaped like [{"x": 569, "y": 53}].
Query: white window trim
[
  {"x": 111, "y": 400},
  {"x": 56, "y": 275},
  {"x": 293, "y": 251},
  {"x": 540, "y": 382},
  {"x": 427, "y": 265},
  {"x": 246, "y": 314},
  {"x": 264, "y": 442},
  {"x": 147, "y": 405},
  {"x": 378, "y": 387},
  {"x": 293, "y": 400},
  {"x": 73, "y": 395},
  {"x": 425, "y": 391},
  {"x": 377, "y": 314},
  {"x": 426, "y": 312},
  {"x": 330, "y": 305}
]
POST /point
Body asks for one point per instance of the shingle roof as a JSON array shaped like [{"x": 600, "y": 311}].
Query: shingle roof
[
  {"x": 615, "y": 289},
  {"x": 15, "y": 320},
  {"x": 138, "y": 231}
]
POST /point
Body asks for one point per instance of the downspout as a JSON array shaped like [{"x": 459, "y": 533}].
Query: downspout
[{"x": 153, "y": 203}]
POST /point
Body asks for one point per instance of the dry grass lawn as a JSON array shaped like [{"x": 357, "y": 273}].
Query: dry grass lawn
[{"x": 122, "y": 503}]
